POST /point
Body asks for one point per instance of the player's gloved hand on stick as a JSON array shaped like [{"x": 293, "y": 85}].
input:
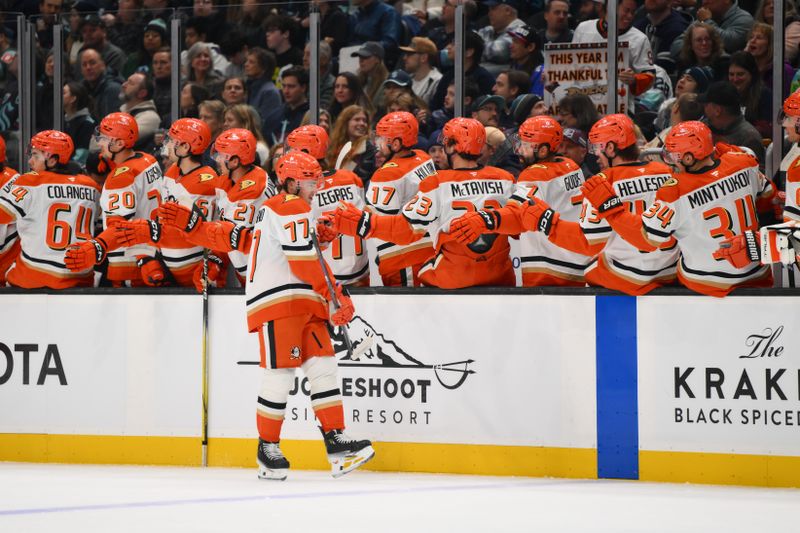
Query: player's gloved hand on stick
[
  {"x": 350, "y": 220},
  {"x": 740, "y": 250},
  {"x": 537, "y": 215},
  {"x": 140, "y": 231},
  {"x": 344, "y": 314},
  {"x": 152, "y": 271},
  {"x": 215, "y": 267},
  {"x": 326, "y": 229},
  {"x": 601, "y": 194},
  {"x": 183, "y": 218},
  {"x": 471, "y": 225},
  {"x": 84, "y": 255}
]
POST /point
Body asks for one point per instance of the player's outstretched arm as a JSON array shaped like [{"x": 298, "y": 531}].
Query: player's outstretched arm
[
  {"x": 350, "y": 220},
  {"x": 84, "y": 255},
  {"x": 221, "y": 236}
]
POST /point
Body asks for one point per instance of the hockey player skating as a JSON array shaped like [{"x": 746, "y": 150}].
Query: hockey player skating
[
  {"x": 287, "y": 306},
  {"x": 9, "y": 239},
  {"x": 710, "y": 200},
  {"x": 442, "y": 198},
  {"x": 53, "y": 207},
  {"x": 346, "y": 255},
  {"x": 131, "y": 190}
]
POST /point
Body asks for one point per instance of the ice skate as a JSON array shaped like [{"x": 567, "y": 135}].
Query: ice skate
[
  {"x": 346, "y": 453},
  {"x": 272, "y": 464}
]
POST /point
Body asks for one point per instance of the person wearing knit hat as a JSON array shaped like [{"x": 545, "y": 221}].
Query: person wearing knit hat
[
  {"x": 701, "y": 76},
  {"x": 525, "y": 106}
]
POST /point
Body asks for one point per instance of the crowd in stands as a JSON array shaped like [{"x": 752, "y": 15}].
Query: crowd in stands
[{"x": 246, "y": 65}]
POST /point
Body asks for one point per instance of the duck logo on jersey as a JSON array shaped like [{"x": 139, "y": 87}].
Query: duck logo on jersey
[
  {"x": 205, "y": 177},
  {"x": 295, "y": 353}
]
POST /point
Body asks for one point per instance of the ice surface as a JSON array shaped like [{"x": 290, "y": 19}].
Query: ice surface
[{"x": 68, "y": 498}]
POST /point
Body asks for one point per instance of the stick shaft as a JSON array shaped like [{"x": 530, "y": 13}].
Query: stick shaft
[
  {"x": 331, "y": 289},
  {"x": 204, "y": 355}
]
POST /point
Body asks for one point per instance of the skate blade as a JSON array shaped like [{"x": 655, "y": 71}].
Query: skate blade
[
  {"x": 272, "y": 474},
  {"x": 342, "y": 464}
]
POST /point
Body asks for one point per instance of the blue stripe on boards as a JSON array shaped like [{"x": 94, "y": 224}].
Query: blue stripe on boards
[{"x": 617, "y": 401}]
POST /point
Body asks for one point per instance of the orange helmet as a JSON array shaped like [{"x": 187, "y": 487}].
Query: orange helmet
[
  {"x": 791, "y": 106},
  {"x": 237, "y": 142},
  {"x": 55, "y": 143},
  {"x": 690, "y": 137},
  {"x": 617, "y": 128},
  {"x": 466, "y": 134},
  {"x": 192, "y": 131},
  {"x": 2, "y": 150},
  {"x": 311, "y": 138},
  {"x": 298, "y": 166},
  {"x": 120, "y": 126},
  {"x": 399, "y": 125},
  {"x": 542, "y": 130}
]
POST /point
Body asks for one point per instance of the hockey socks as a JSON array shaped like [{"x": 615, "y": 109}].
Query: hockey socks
[{"x": 271, "y": 406}]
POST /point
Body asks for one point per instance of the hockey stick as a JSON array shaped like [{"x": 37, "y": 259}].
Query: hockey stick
[
  {"x": 205, "y": 359},
  {"x": 331, "y": 290},
  {"x": 342, "y": 154}
]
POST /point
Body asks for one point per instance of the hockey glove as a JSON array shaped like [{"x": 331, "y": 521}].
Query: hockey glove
[
  {"x": 538, "y": 216},
  {"x": 780, "y": 243},
  {"x": 326, "y": 231},
  {"x": 152, "y": 271},
  {"x": 741, "y": 250},
  {"x": 344, "y": 314},
  {"x": 174, "y": 214},
  {"x": 601, "y": 194},
  {"x": 470, "y": 226},
  {"x": 133, "y": 232},
  {"x": 350, "y": 220},
  {"x": 83, "y": 256},
  {"x": 215, "y": 267}
]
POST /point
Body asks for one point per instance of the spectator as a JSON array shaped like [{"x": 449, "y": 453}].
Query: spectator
[
  {"x": 156, "y": 9},
  {"x": 440, "y": 117},
  {"x": 473, "y": 50},
  {"x": 93, "y": 30},
  {"x": 162, "y": 82},
  {"x": 754, "y": 99},
  {"x": 153, "y": 39},
  {"x": 498, "y": 152},
  {"x": 418, "y": 60},
  {"x": 294, "y": 87},
  {"x": 49, "y": 14},
  {"x": 9, "y": 101},
  {"x": 234, "y": 92},
  {"x": 760, "y": 46},
  {"x": 442, "y": 31},
  {"x": 245, "y": 116},
  {"x": 44, "y": 95},
  {"x": 103, "y": 85},
  {"x": 575, "y": 145},
  {"x": 723, "y": 115},
  {"x": 702, "y": 47},
  {"x": 353, "y": 126},
  {"x": 684, "y": 107},
  {"x": 371, "y": 70},
  {"x": 74, "y": 39},
  {"x": 733, "y": 24},
  {"x": 486, "y": 110},
  {"x": 217, "y": 26},
  {"x": 399, "y": 82},
  {"x": 78, "y": 122},
  {"x": 324, "y": 121},
  {"x": 137, "y": 97},
  {"x": 191, "y": 96},
  {"x": 765, "y": 13},
  {"x": 526, "y": 55},
  {"x": 641, "y": 74},
  {"x": 124, "y": 27},
  {"x": 347, "y": 91},
  {"x": 279, "y": 40},
  {"x": 437, "y": 153},
  {"x": 661, "y": 24},
  {"x": 497, "y": 41},
  {"x": 510, "y": 84},
  {"x": 326, "y": 77},
  {"x": 261, "y": 92},
  {"x": 250, "y": 21},
  {"x": 234, "y": 47},
  {"x": 201, "y": 70},
  {"x": 577, "y": 111},
  {"x": 589, "y": 10},
  {"x": 525, "y": 106},
  {"x": 334, "y": 25},
  {"x": 556, "y": 16},
  {"x": 375, "y": 21},
  {"x": 196, "y": 30},
  {"x": 694, "y": 80},
  {"x": 212, "y": 113}
]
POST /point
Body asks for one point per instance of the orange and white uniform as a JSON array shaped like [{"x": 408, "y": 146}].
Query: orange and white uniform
[
  {"x": 9, "y": 239},
  {"x": 346, "y": 255},
  {"x": 198, "y": 187},
  {"x": 132, "y": 190},
  {"x": 557, "y": 182},
  {"x": 444, "y": 197},
  {"x": 620, "y": 265},
  {"x": 700, "y": 209},
  {"x": 239, "y": 204},
  {"x": 51, "y": 212},
  {"x": 390, "y": 188},
  {"x": 792, "y": 209}
]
